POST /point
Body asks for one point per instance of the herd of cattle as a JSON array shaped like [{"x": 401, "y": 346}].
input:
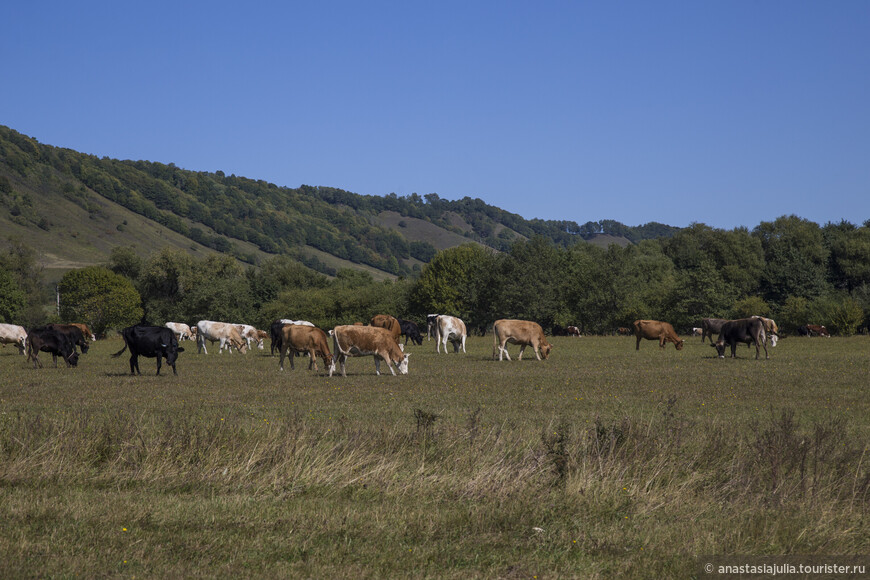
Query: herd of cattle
[{"x": 381, "y": 338}]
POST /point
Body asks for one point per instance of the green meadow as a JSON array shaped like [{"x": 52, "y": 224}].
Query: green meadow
[{"x": 600, "y": 462}]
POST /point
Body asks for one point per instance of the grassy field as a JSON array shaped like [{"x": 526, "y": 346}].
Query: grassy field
[{"x": 601, "y": 462}]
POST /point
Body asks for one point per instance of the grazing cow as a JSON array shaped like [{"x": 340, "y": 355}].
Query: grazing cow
[
  {"x": 13, "y": 334},
  {"x": 522, "y": 332},
  {"x": 450, "y": 328},
  {"x": 771, "y": 330},
  {"x": 803, "y": 330},
  {"x": 222, "y": 332},
  {"x": 389, "y": 322},
  {"x": 151, "y": 342},
  {"x": 711, "y": 327},
  {"x": 74, "y": 333},
  {"x": 312, "y": 340},
  {"x": 54, "y": 341},
  {"x": 250, "y": 333},
  {"x": 748, "y": 330},
  {"x": 656, "y": 330},
  {"x": 351, "y": 340},
  {"x": 572, "y": 331},
  {"x": 818, "y": 329},
  {"x": 275, "y": 331},
  {"x": 86, "y": 331},
  {"x": 430, "y": 325},
  {"x": 696, "y": 331},
  {"x": 181, "y": 330},
  {"x": 623, "y": 331},
  {"x": 410, "y": 330}
]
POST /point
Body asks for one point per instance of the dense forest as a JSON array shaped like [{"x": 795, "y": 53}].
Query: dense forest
[{"x": 791, "y": 268}]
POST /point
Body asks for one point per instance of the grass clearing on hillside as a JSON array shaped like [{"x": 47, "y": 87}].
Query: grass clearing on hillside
[{"x": 600, "y": 462}]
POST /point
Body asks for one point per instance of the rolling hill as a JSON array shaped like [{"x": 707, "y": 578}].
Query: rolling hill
[{"x": 74, "y": 208}]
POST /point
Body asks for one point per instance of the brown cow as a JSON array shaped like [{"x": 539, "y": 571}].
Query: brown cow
[
  {"x": 85, "y": 330},
  {"x": 623, "y": 331},
  {"x": 818, "y": 329},
  {"x": 296, "y": 338},
  {"x": 656, "y": 330},
  {"x": 521, "y": 332},
  {"x": 389, "y": 322},
  {"x": 572, "y": 331},
  {"x": 351, "y": 340}
]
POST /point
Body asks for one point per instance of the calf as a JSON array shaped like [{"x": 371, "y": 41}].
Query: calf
[
  {"x": 410, "y": 330},
  {"x": 522, "y": 332},
  {"x": 818, "y": 329},
  {"x": 51, "y": 340},
  {"x": 656, "y": 330},
  {"x": 151, "y": 342},
  {"x": 308, "y": 339},
  {"x": 351, "y": 340},
  {"x": 13, "y": 334},
  {"x": 747, "y": 330}
]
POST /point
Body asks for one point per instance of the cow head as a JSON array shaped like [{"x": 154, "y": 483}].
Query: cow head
[
  {"x": 720, "y": 348},
  {"x": 84, "y": 346},
  {"x": 679, "y": 344},
  {"x": 73, "y": 359},
  {"x": 402, "y": 366},
  {"x": 545, "y": 351}
]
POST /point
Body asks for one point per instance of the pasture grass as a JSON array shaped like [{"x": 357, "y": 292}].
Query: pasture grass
[{"x": 601, "y": 462}]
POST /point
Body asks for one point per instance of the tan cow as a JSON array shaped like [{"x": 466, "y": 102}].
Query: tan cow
[
  {"x": 656, "y": 330},
  {"x": 295, "y": 338},
  {"x": 771, "y": 330},
  {"x": 522, "y": 332},
  {"x": 352, "y": 340},
  {"x": 389, "y": 322},
  {"x": 223, "y": 332}
]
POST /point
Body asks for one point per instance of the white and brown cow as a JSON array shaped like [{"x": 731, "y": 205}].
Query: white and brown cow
[
  {"x": 450, "y": 328},
  {"x": 250, "y": 333},
  {"x": 296, "y": 338},
  {"x": 771, "y": 330},
  {"x": 222, "y": 332},
  {"x": 352, "y": 340},
  {"x": 180, "y": 330},
  {"x": 13, "y": 334},
  {"x": 522, "y": 332}
]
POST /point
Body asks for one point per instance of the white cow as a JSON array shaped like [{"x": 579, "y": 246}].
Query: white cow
[
  {"x": 13, "y": 334},
  {"x": 181, "y": 330},
  {"x": 223, "y": 332},
  {"x": 250, "y": 333},
  {"x": 452, "y": 329}
]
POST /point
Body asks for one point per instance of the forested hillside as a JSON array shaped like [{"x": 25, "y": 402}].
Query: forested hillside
[
  {"x": 161, "y": 242},
  {"x": 250, "y": 218}
]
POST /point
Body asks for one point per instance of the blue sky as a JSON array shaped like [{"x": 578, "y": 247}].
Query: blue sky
[{"x": 726, "y": 113}]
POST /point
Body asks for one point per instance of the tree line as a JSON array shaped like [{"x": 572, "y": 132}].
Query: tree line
[{"x": 791, "y": 269}]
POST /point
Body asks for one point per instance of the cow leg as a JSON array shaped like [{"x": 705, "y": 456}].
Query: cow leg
[
  {"x": 637, "y": 346},
  {"x": 537, "y": 353},
  {"x": 159, "y": 363},
  {"x": 200, "y": 345},
  {"x": 312, "y": 359},
  {"x": 522, "y": 350}
]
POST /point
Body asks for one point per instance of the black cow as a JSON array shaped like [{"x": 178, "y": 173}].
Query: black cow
[
  {"x": 74, "y": 333},
  {"x": 431, "y": 321},
  {"x": 276, "y": 335},
  {"x": 50, "y": 340},
  {"x": 711, "y": 326},
  {"x": 747, "y": 330},
  {"x": 410, "y": 330},
  {"x": 150, "y": 341}
]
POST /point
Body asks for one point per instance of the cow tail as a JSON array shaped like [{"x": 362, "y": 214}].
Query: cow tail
[{"x": 120, "y": 352}]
